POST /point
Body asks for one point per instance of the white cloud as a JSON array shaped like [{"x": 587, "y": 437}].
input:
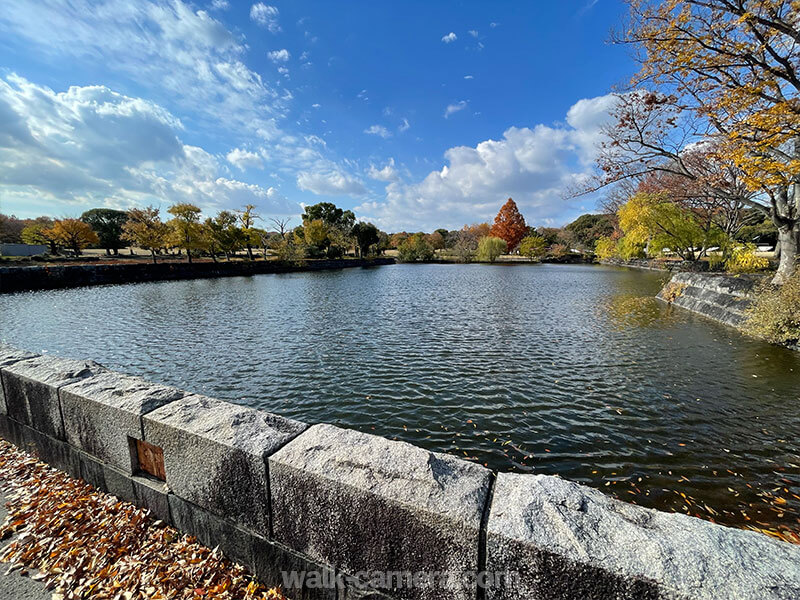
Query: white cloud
[
  {"x": 473, "y": 33},
  {"x": 534, "y": 165},
  {"x": 469, "y": 77},
  {"x": 266, "y": 16},
  {"x": 385, "y": 173},
  {"x": 244, "y": 159},
  {"x": 90, "y": 146},
  {"x": 378, "y": 130},
  {"x": 404, "y": 126},
  {"x": 220, "y": 5},
  {"x": 449, "y": 38},
  {"x": 279, "y": 56},
  {"x": 454, "y": 108},
  {"x": 330, "y": 183},
  {"x": 316, "y": 105}
]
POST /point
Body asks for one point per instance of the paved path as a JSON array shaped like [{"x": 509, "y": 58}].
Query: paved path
[{"x": 14, "y": 586}]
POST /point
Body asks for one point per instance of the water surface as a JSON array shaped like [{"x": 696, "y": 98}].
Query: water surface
[{"x": 569, "y": 370}]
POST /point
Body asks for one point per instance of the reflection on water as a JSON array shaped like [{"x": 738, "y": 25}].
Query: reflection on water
[{"x": 571, "y": 370}]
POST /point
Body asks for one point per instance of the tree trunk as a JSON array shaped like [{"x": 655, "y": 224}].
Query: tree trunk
[
  {"x": 153, "y": 254},
  {"x": 249, "y": 252},
  {"x": 789, "y": 244},
  {"x": 189, "y": 255},
  {"x": 108, "y": 252}
]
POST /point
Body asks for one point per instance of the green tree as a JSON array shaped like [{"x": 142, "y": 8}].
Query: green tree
[
  {"x": 224, "y": 232},
  {"x": 490, "y": 248},
  {"x": 415, "y": 248},
  {"x": 366, "y": 235},
  {"x": 331, "y": 215},
  {"x": 145, "y": 230},
  {"x": 591, "y": 227},
  {"x": 107, "y": 224},
  {"x": 533, "y": 246}
]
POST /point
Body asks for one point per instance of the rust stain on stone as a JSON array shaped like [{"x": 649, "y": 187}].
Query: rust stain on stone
[{"x": 151, "y": 460}]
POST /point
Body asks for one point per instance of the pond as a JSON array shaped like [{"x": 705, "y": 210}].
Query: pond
[{"x": 569, "y": 370}]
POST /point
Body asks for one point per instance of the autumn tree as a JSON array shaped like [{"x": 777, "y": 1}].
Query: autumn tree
[
  {"x": 224, "y": 233},
  {"x": 416, "y": 248},
  {"x": 40, "y": 232},
  {"x": 734, "y": 65},
  {"x": 186, "y": 230},
  {"x": 247, "y": 221},
  {"x": 107, "y": 224},
  {"x": 145, "y": 230},
  {"x": 74, "y": 234},
  {"x": 509, "y": 225}
]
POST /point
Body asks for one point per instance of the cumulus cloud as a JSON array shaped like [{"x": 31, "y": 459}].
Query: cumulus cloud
[
  {"x": 91, "y": 146},
  {"x": 449, "y": 38},
  {"x": 279, "y": 56},
  {"x": 404, "y": 126},
  {"x": 454, "y": 108},
  {"x": 330, "y": 183},
  {"x": 266, "y": 16},
  {"x": 469, "y": 77},
  {"x": 244, "y": 159},
  {"x": 385, "y": 173},
  {"x": 378, "y": 130},
  {"x": 534, "y": 165}
]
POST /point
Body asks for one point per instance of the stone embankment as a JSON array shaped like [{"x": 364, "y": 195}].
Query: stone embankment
[
  {"x": 724, "y": 298},
  {"x": 332, "y": 513},
  {"x": 47, "y": 277}
]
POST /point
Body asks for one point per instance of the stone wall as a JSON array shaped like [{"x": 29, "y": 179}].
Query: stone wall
[
  {"x": 724, "y": 298},
  {"x": 657, "y": 264},
  {"x": 46, "y": 277},
  {"x": 352, "y": 515}
]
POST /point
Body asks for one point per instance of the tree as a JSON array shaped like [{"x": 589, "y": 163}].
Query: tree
[
  {"x": 655, "y": 222},
  {"x": 11, "y": 229},
  {"x": 589, "y": 228},
  {"x": 247, "y": 218},
  {"x": 74, "y": 234},
  {"x": 331, "y": 215},
  {"x": 366, "y": 235},
  {"x": 281, "y": 225},
  {"x": 533, "y": 246},
  {"x": 187, "y": 233},
  {"x": 145, "y": 229},
  {"x": 509, "y": 225},
  {"x": 416, "y": 248},
  {"x": 107, "y": 224},
  {"x": 436, "y": 240},
  {"x": 489, "y": 248},
  {"x": 316, "y": 233},
  {"x": 224, "y": 233},
  {"x": 40, "y": 232},
  {"x": 735, "y": 64}
]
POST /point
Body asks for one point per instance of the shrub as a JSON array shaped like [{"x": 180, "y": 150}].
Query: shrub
[
  {"x": 775, "y": 314},
  {"x": 744, "y": 260},
  {"x": 489, "y": 248},
  {"x": 629, "y": 248}
]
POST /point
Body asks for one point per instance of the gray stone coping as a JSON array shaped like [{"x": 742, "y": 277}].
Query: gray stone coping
[
  {"x": 101, "y": 412},
  {"x": 8, "y": 356},
  {"x": 569, "y": 541},
  {"x": 31, "y": 389},
  {"x": 360, "y": 502},
  {"x": 215, "y": 454}
]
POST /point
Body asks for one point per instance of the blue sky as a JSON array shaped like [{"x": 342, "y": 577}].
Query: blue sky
[{"x": 416, "y": 115}]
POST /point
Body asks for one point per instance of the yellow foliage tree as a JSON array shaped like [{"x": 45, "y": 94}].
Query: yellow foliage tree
[
  {"x": 145, "y": 229},
  {"x": 74, "y": 234},
  {"x": 736, "y": 66},
  {"x": 186, "y": 230}
]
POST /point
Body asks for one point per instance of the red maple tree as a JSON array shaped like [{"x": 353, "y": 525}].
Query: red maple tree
[{"x": 509, "y": 225}]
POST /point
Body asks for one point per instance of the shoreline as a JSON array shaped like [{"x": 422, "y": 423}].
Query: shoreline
[{"x": 58, "y": 276}]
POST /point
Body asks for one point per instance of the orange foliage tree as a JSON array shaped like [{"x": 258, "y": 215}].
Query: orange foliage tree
[{"x": 509, "y": 225}]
